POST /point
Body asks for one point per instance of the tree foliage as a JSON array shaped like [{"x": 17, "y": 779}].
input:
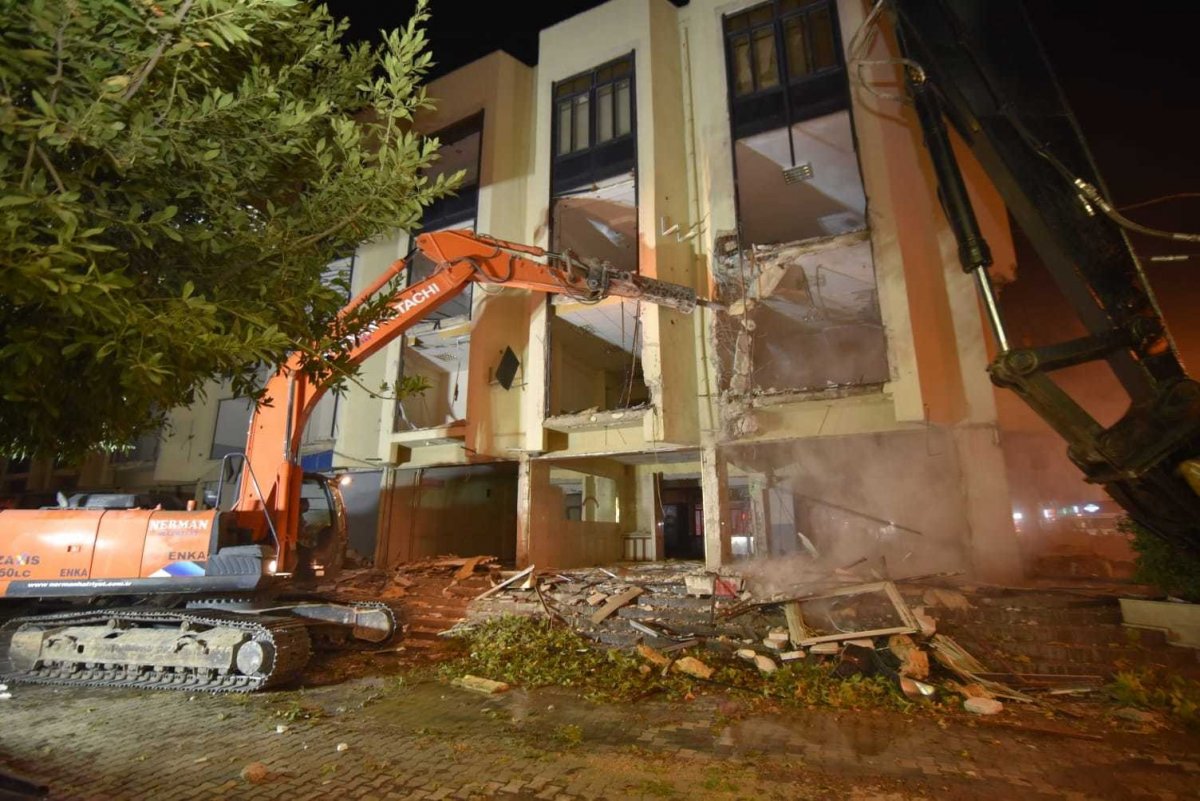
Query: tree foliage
[{"x": 174, "y": 177}]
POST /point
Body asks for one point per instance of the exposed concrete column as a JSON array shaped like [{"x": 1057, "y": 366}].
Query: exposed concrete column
[
  {"x": 646, "y": 498},
  {"x": 714, "y": 484},
  {"x": 992, "y": 545},
  {"x": 760, "y": 515},
  {"x": 524, "y": 509},
  {"x": 537, "y": 504}
]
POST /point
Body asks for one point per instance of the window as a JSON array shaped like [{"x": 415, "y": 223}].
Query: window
[
  {"x": 593, "y": 125},
  {"x": 233, "y": 423},
  {"x": 594, "y": 354},
  {"x": 460, "y": 149},
  {"x": 785, "y": 64}
]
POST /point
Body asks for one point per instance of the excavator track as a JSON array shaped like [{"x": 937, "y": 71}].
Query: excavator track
[{"x": 279, "y": 649}]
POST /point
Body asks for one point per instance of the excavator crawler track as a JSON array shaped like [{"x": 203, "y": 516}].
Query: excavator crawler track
[{"x": 284, "y": 640}]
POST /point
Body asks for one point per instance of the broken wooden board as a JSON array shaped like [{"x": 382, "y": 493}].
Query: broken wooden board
[
  {"x": 468, "y": 568},
  {"x": 510, "y": 580},
  {"x": 958, "y": 661},
  {"x": 615, "y": 602},
  {"x": 795, "y": 623}
]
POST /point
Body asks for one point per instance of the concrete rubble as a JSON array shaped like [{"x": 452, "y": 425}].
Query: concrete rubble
[{"x": 671, "y": 614}]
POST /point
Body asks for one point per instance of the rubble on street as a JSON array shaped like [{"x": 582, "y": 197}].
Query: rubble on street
[
  {"x": 932, "y": 636},
  {"x": 673, "y": 614}
]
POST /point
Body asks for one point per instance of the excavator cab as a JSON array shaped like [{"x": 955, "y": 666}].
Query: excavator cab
[{"x": 324, "y": 531}]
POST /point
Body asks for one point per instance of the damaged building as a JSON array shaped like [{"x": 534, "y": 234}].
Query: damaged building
[{"x": 835, "y": 400}]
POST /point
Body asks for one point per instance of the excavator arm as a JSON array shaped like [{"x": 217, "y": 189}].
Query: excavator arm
[
  {"x": 978, "y": 64},
  {"x": 462, "y": 257}
]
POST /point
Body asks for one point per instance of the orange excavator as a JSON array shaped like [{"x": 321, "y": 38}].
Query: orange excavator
[{"x": 205, "y": 599}]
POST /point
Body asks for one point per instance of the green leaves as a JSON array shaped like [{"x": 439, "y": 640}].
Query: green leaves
[{"x": 174, "y": 178}]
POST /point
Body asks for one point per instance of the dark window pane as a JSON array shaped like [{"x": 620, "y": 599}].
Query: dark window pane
[
  {"x": 604, "y": 113},
  {"x": 563, "y": 146},
  {"x": 624, "y": 121},
  {"x": 824, "y": 51},
  {"x": 761, "y": 15},
  {"x": 766, "y": 67},
  {"x": 797, "y": 47},
  {"x": 580, "y": 140},
  {"x": 743, "y": 78}
]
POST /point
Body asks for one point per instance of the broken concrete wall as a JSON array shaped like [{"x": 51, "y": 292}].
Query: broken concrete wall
[
  {"x": 894, "y": 498},
  {"x": 800, "y": 317},
  {"x": 595, "y": 358}
]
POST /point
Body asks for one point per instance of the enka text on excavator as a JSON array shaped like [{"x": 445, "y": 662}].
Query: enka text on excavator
[{"x": 207, "y": 600}]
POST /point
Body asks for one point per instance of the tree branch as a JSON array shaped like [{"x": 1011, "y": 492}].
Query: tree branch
[
  {"x": 62, "y": 190},
  {"x": 163, "y": 41},
  {"x": 27, "y": 173},
  {"x": 330, "y": 231}
]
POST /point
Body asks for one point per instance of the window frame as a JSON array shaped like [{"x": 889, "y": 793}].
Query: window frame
[
  {"x": 597, "y": 160},
  {"x": 793, "y": 97},
  {"x": 464, "y": 204}
]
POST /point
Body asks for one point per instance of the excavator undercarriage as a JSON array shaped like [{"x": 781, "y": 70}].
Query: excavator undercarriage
[{"x": 220, "y": 645}]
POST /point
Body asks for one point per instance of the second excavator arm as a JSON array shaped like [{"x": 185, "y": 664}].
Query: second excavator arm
[{"x": 977, "y": 64}]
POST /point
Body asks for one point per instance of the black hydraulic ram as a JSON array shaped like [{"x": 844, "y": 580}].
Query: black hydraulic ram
[{"x": 973, "y": 251}]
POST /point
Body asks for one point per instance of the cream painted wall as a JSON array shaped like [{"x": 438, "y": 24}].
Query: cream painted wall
[
  {"x": 183, "y": 453},
  {"x": 501, "y": 88}
]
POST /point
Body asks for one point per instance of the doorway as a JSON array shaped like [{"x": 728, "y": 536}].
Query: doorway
[{"x": 682, "y": 508}]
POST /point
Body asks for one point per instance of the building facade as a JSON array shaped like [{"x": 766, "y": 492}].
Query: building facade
[{"x": 834, "y": 399}]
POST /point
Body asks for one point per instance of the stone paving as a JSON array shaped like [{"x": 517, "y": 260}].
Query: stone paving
[{"x": 428, "y": 740}]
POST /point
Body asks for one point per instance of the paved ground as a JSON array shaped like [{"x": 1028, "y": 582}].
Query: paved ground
[{"x": 420, "y": 739}]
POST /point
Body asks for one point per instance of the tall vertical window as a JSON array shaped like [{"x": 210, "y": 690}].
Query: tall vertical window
[
  {"x": 594, "y": 358},
  {"x": 461, "y": 149},
  {"x": 797, "y": 179}
]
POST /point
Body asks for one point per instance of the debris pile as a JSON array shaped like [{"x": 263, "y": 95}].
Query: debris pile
[
  {"x": 680, "y": 620},
  {"x": 433, "y": 593}
]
